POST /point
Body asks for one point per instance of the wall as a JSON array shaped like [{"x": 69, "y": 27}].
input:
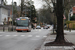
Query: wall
[{"x": 4, "y": 14}]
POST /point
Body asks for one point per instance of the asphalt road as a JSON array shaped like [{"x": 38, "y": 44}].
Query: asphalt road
[{"x": 22, "y": 40}]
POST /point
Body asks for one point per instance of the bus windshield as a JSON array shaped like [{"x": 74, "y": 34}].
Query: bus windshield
[{"x": 22, "y": 23}]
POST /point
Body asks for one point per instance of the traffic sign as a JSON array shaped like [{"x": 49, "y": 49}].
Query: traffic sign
[{"x": 10, "y": 19}]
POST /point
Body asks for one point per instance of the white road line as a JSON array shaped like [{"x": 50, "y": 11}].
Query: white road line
[
  {"x": 37, "y": 36},
  {"x": 7, "y": 35},
  {"x": 29, "y": 35},
  {"x": 44, "y": 36},
  {"x": 15, "y": 35},
  {"x": 39, "y": 30},
  {"x": 22, "y": 35},
  {"x": 1, "y": 35}
]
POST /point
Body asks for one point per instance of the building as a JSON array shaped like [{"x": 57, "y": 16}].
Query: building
[
  {"x": 15, "y": 14},
  {"x": 73, "y": 9},
  {"x": 3, "y": 12}
]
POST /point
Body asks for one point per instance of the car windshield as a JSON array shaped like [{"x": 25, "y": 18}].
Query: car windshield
[
  {"x": 22, "y": 22},
  {"x": 38, "y": 26}
]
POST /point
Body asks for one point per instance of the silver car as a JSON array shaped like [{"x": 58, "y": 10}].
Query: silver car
[{"x": 38, "y": 27}]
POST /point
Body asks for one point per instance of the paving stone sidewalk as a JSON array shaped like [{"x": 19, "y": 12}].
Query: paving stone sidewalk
[{"x": 51, "y": 39}]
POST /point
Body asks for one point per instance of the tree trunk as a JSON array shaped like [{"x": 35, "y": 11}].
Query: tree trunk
[
  {"x": 59, "y": 14},
  {"x": 59, "y": 41}
]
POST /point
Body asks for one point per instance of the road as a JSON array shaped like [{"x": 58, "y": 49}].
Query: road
[{"x": 22, "y": 40}]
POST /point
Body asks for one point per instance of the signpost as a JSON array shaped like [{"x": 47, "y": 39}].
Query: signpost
[{"x": 10, "y": 20}]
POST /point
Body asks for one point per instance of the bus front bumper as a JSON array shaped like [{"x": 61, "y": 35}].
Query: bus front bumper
[{"x": 22, "y": 29}]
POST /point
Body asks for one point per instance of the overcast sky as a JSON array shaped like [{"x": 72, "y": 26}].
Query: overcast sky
[{"x": 38, "y": 3}]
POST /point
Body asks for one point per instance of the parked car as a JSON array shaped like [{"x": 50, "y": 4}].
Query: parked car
[
  {"x": 48, "y": 26},
  {"x": 38, "y": 27},
  {"x": 45, "y": 27}
]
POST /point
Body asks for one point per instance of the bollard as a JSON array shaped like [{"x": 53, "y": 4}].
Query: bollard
[
  {"x": 3, "y": 28},
  {"x": 69, "y": 30}
]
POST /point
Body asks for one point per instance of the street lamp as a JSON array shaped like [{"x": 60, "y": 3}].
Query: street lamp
[{"x": 12, "y": 15}]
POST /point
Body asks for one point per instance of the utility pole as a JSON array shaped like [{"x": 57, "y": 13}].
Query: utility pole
[
  {"x": 12, "y": 15},
  {"x": 30, "y": 9}
]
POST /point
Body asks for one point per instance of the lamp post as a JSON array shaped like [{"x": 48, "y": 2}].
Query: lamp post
[{"x": 12, "y": 15}]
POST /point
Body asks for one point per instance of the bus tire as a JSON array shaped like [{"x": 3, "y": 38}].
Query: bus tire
[
  {"x": 29, "y": 31},
  {"x": 19, "y": 31}
]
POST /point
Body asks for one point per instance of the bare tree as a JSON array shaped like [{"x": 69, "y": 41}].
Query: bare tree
[{"x": 60, "y": 39}]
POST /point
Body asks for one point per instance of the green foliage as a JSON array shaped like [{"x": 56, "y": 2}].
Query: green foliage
[
  {"x": 73, "y": 26},
  {"x": 68, "y": 22},
  {"x": 33, "y": 11},
  {"x": 72, "y": 18},
  {"x": 31, "y": 14}
]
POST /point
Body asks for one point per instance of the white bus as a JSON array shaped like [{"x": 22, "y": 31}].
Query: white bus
[{"x": 23, "y": 24}]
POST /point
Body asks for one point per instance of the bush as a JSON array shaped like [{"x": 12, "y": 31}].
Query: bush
[{"x": 72, "y": 18}]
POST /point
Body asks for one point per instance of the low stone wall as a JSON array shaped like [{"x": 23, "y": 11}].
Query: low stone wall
[{"x": 8, "y": 28}]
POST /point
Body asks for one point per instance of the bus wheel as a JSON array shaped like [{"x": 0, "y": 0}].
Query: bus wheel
[
  {"x": 29, "y": 31},
  {"x": 19, "y": 31}
]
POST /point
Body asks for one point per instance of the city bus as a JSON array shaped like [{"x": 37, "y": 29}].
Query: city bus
[{"x": 23, "y": 24}]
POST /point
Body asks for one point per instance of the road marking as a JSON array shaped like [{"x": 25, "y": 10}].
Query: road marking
[
  {"x": 39, "y": 30},
  {"x": 44, "y": 36},
  {"x": 29, "y": 35},
  {"x": 15, "y": 35},
  {"x": 22, "y": 35},
  {"x": 1, "y": 35},
  {"x": 7, "y": 35},
  {"x": 37, "y": 36}
]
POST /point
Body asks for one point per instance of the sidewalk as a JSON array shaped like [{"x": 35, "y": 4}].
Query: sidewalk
[{"x": 70, "y": 38}]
